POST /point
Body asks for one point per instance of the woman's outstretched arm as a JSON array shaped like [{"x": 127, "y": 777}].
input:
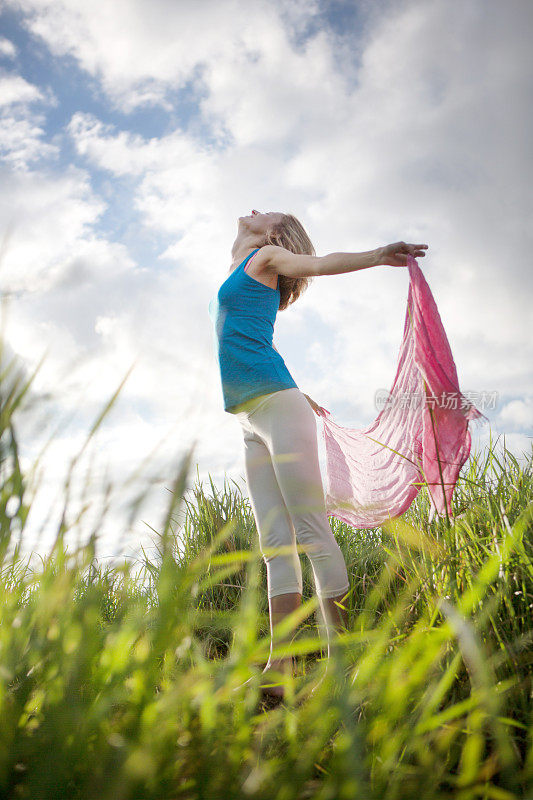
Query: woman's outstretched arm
[{"x": 296, "y": 265}]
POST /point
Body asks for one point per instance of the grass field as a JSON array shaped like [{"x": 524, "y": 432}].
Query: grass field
[{"x": 130, "y": 686}]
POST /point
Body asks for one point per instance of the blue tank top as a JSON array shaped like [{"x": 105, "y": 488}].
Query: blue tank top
[{"x": 243, "y": 313}]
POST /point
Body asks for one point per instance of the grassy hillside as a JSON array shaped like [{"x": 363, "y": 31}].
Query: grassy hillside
[{"x": 134, "y": 686}]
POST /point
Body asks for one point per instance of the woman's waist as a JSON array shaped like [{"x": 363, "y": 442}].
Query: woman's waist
[
  {"x": 250, "y": 352},
  {"x": 248, "y": 405},
  {"x": 252, "y": 404},
  {"x": 248, "y": 338}
]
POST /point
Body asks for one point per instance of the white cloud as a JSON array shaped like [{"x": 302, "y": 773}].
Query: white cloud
[
  {"x": 140, "y": 51},
  {"x": 21, "y": 132},
  {"x": 177, "y": 175},
  {"x": 14, "y": 89},
  {"x": 7, "y": 48},
  {"x": 49, "y": 220},
  {"x": 21, "y": 140},
  {"x": 518, "y": 414}
]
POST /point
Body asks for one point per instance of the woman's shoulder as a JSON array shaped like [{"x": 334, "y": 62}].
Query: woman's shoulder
[
  {"x": 260, "y": 268},
  {"x": 265, "y": 256}
]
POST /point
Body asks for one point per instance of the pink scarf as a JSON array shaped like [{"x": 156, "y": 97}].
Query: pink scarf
[{"x": 420, "y": 436}]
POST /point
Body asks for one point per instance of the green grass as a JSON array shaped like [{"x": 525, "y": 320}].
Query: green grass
[{"x": 127, "y": 684}]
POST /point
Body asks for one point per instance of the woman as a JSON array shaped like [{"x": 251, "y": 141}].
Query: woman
[{"x": 273, "y": 262}]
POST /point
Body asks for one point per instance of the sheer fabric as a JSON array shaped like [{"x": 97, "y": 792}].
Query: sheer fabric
[{"x": 420, "y": 437}]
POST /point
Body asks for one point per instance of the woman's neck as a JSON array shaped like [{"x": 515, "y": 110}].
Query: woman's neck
[{"x": 243, "y": 246}]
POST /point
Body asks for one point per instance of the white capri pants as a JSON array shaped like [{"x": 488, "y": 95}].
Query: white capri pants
[{"x": 286, "y": 493}]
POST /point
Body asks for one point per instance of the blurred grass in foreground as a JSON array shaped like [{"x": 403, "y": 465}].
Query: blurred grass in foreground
[{"x": 129, "y": 686}]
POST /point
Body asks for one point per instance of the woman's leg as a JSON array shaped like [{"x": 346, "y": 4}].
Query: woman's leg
[
  {"x": 275, "y": 529},
  {"x": 273, "y": 522},
  {"x": 280, "y": 606},
  {"x": 286, "y": 424}
]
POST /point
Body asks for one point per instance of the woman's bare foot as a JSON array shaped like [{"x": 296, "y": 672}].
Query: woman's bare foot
[{"x": 270, "y": 684}]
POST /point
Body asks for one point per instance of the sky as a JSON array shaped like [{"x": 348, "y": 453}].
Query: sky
[{"x": 133, "y": 136}]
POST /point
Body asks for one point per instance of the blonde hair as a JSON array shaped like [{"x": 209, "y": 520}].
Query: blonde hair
[{"x": 290, "y": 234}]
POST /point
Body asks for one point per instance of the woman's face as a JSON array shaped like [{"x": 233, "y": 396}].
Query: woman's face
[{"x": 260, "y": 223}]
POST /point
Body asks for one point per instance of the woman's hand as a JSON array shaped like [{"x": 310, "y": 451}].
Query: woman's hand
[
  {"x": 313, "y": 405},
  {"x": 395, "y": 255}
]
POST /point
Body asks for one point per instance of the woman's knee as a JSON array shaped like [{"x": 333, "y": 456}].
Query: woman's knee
[
  {"x": 284, "y": 573},
  {"x": 313, "y": 533}
]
